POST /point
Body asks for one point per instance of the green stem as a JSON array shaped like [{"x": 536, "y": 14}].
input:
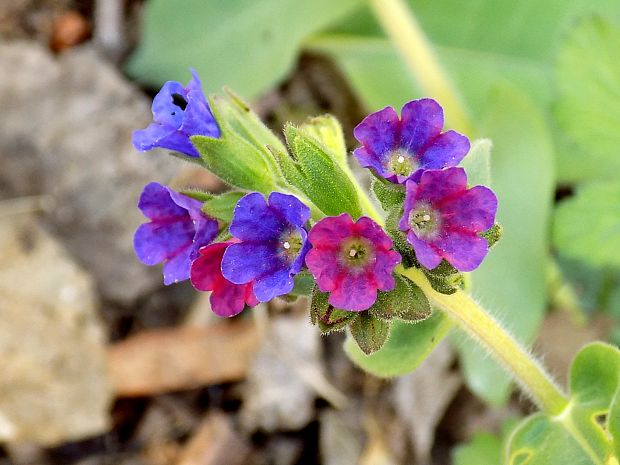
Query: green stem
[
  {"x": 405, "y": 32},
  {"x": 472, "y": 318}
]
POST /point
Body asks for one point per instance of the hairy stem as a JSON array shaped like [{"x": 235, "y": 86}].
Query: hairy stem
[
  {"x": 472, "y": 318},
  {"x": 403, "y": 29}
]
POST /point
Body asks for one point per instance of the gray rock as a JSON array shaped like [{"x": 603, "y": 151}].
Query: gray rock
[
  {"x": 68, "y": 134},
  {"x": 54, "y": 384}
]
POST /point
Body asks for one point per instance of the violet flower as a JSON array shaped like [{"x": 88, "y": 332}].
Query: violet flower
[
  {"x": 178, "y": 113},
  {"x": 351, "y": 261},
  {"x": 176, "y": 230},
  {"x": 443, "y": 219},
  {"x": 273, "y": 243},
  {"x": 227, "y": 299},
  {"x": 399, "y": 149}
]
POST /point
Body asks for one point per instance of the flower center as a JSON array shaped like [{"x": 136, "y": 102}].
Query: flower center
[
  {"x": 401, "y": 162},
  {"x": 356, "y": 252},
  {"x": 290, "y": 245},
  {"x": 179, "y": 101},
  {"x": 425, "y": 221}
]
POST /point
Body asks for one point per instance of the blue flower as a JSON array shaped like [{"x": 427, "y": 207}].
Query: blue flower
[
  {"x": 273, "y": 243},
  {"x": 400, "y": 149},
  {"x": 178, "y": 113},
  {"x": 176, "y": 231}
]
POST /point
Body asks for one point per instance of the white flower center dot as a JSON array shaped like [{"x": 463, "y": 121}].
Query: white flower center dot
[
  {"x": 286, "y": 245},
  {"x": 352, "y": 253},
  {"x": 426, "y": 217},
  {"x": 401, "y": 159}
]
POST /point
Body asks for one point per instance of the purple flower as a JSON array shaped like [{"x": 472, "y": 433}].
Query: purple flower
[
  {"x": 442, "y": 219},
  {"x": 351, "y": 261},
  {"x": 178, "y": 113},
  {"x": 175, "y": 233},
  {"x": 273, "y": 243},
  {"x": 399, "y": 150},
  {"x": 227, "y": 299}
]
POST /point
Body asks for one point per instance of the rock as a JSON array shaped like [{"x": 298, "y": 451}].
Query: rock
[
  {"x": 277, "y": 394},
  {"x": 422, "y": 397},
  {"x": 54, "y": 386},
  {"x": 68, "y": 134}
]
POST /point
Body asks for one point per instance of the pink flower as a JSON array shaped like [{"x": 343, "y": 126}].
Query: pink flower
[
  {"x": 351, "y": 261},
  {"x": 227, "y": 299}
]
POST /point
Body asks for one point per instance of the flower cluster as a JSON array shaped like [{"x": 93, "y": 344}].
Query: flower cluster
[{"x": 269, "y": 238}]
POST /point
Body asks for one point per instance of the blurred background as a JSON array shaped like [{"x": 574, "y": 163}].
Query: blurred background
[{"x": 102, "y": 364}]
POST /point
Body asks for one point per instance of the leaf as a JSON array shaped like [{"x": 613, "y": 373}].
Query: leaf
[
  {"x": 484, "y": 449},
  {"x": 369, "y": 332},
  {"x": 588, "y": 108},
  {"x": 512, "y": 276},
  {"x": 587, "y": 226},
  {"x": 577, "y": 435},
  {"x": 246, "y": 44},
  {"x": 406, "y": 348},
  {"x": 388, "y": 194},
  {"x": 477, "y": 163},
  {"x": 613, "y": 423},
  {"x": 221, "y": 206},
  {"x": 326, "y": 317}
]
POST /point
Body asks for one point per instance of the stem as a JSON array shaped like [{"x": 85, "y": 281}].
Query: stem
[
  {"x": 489, "y": 333},
  {"x": 405, "y": 32}
]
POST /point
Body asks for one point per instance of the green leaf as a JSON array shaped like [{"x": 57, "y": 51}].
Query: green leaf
[
  {"x": 588, "y": 107},
  {"x": 369, "y": 333},
  {"x": 406, "y": 302},
  {"x": 388, "y": 194},
  {"x": 247, "y": 44},
  {"x": 406, "y": 348},
  {"x": 327, "y": 130},
  {"x": 484, "y": 449},
  {"x": 595, "y": 375},
  {"x": 613, "y": 423},
  {"x": 587, "y": 226},
  {"x": 477, "y": 163},
  {"x": 324, "y": 181},
  {"x": 326, "y": 317},
  {"x": 577, "y": 435},
  {"x": 197, "y": 194},
  {"x": 221, "y": 206},
  {"x": 512, "y": 276}
]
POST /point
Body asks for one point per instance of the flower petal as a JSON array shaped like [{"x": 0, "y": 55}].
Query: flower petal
[
  {"x": 421, "y": 122},
  {"x": 354, "y": 293},
  {"x": 290, "y": 208},
  {"x": 474, "y": 210},
  {"x": 323, "y": 264},
  {"x": 378, "y": 132},
  {"x": 273, "y": 285},
  {"x": 383, "y": 269},
  {"x": 253, "y": 220},
  {"x": 156, "y": 203},
  {"x": 156, "y": 242},
  {"x": 426, "y": 253},
  {"x": 247, "y": 261},
  {"x": 164, "y": 109},
  {"x": 228, "y": 299},
  {"x": 177, "y": 268},
  {"x": 367, "y": 228},
  {"x": 329, "y": 232},
  {"x": 464, "y": 251},
  {"x": 447, "y": 149},
  {"x": 436, "y": 185}
]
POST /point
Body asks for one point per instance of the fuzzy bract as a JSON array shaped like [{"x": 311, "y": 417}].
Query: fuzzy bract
[
  {"x": 351, "y": 260},
  {"x": 178, "y": 113},
  {"x": 176, "y": 230},
  {"x": 443, "y": 219},
  {"x": 272, "y": 243},
  {"x": 400, "y": 149},
  {"x": 227, "y": 299}
]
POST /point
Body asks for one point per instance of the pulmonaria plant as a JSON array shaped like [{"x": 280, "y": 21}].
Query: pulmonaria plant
[{"x": 277, "y": 240}]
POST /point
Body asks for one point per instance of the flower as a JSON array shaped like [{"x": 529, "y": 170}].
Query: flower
[
  {"x": 399, "y": 150},
  {"x": 273, "y": 243},
  {"x": 175, "y": 233},
  {"x": 351, "y": 260},
  {"x": 227, "y": 299},
  {"x": 178, "y": 113},
  {"x": 442, "y": 219}
]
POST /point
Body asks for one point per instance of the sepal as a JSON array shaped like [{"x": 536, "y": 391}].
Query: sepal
[
  {"x": 388, "y": 194},
  {"x": 221, "y": 206},
  {"x": 327, "y": 130},
  {"x": 445, "y": 278},
  {"x": 326, "y": 317},
  {"x": 197, "y": 194},
  {"x": 399, "y": 239},
  {"x": 314, "y": 172},
  {"x": 493, "y": 234},
  {"x": 304, "y": 284},
  {"x": 406, "y": 302},
  {"x": 370, "y": 333}
]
